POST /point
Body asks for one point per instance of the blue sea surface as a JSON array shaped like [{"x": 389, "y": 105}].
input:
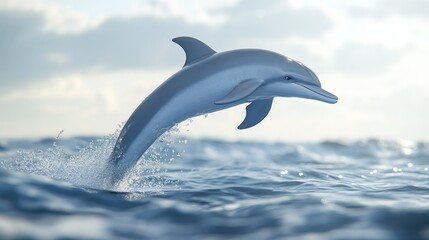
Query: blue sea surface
[{"x": 186, "y": 188}]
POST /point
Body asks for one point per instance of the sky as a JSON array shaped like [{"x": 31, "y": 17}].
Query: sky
[{"x": 82, "y": 67}]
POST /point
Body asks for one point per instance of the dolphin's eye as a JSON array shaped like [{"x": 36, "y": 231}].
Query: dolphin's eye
[{"x": 287, "y": 78}]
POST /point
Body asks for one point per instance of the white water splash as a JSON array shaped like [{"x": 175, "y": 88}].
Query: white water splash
[
  {"x": 149, "y": 173},
  {"x": 85, "y": 167}
]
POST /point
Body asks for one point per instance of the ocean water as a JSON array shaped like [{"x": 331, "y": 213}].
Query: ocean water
[{"x": 186, "y": 188}]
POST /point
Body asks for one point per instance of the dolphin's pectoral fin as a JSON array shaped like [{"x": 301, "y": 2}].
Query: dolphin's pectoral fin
[
  {"x": 242, "y": 90},
  {"x": 256, "y": 112},
  {"x": 195, "y": 50}
]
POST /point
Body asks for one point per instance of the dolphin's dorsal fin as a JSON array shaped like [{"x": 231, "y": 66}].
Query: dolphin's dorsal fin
[
  {"x": 195, "y": 50},
  {"x": 256, "y": 112},
  {"x": 242, "y": 90}
]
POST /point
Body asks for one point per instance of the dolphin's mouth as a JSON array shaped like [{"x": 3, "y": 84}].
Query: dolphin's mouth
[{"x": 325, "y": 95}]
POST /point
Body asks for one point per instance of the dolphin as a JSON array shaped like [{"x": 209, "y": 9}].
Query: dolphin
[{"x": 211, "y": 81}]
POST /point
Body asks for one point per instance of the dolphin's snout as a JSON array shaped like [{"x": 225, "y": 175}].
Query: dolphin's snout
[
  {"x": 321, "y": 94},
  {"x": 312, "y": 87}
]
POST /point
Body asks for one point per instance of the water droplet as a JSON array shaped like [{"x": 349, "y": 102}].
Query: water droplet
[
  {"x": 340, "y": 176},
  {"x": 284, "y": 172},
  {"x": 426, "y": 169},
  {"x": 395, "y": 169},
  {"x": 59, "y": 134},
  {"x": 301, "y": 174},
  {"x": 410, "y": 164}
]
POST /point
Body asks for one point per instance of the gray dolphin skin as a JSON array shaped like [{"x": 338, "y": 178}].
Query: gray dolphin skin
[{"x": 211, "y": 81}]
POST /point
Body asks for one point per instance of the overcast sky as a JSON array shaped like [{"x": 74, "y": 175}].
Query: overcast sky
[{"x": 84, "y": 66}]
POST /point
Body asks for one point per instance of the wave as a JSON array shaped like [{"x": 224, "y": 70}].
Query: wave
[{"x": 186, "y": 188}]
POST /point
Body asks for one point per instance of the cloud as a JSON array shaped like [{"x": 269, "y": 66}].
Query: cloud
[
  {"x": 273, "y": 19},
  {"x": 382, "y": 8},
  {"x": 30, "y": 52},
  {"x": 418, "y": 8},
  {"x": 87, "y": 102},
  {"x": 363, "y": 59},
  {"x": 55, "y": 19},
  {"x": 23, "y": 47}
]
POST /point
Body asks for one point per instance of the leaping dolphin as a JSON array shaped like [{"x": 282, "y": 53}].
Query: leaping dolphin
[{"x": 211, "y": 81}]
